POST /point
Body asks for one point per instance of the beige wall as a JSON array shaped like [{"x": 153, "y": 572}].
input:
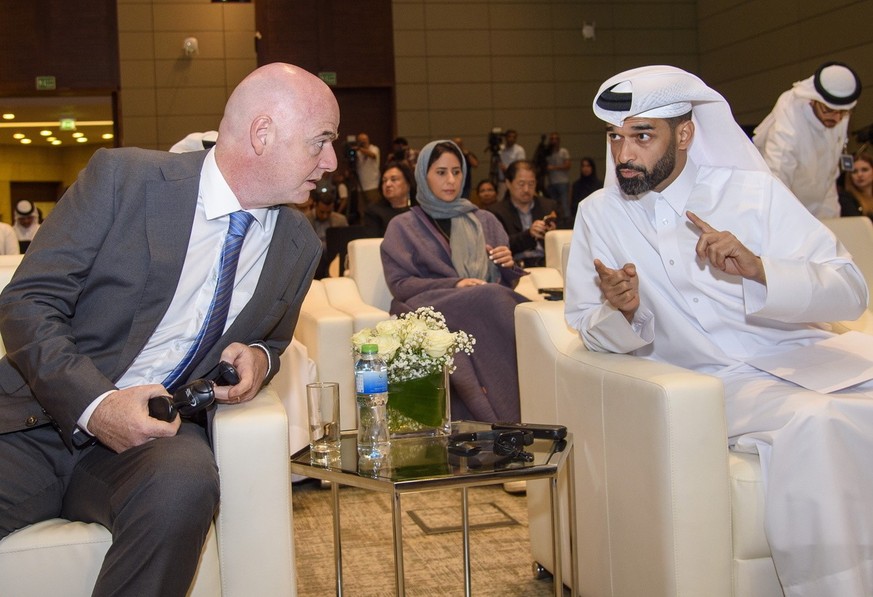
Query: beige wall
[
  {"x": 166, "y": 95},
  {"x": 38, "y": 164},
  {"x": 753, "y": 51},
  {"x": 465, "y": 66}
]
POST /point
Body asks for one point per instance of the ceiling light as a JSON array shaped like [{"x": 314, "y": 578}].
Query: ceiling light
[
  {"x": 45, "y": 133},
  {"x": 82, "y": 140},
  {"x": 9, "y": 116},
  {"x": 18, "y": 136},
  {"x": 26, "y": 141},
  {"x": 77, "y": 135},
  {"x": 56, "y": 141},
  {"x": 108, "y": 136},
  {"x": 50, "y": 139}
]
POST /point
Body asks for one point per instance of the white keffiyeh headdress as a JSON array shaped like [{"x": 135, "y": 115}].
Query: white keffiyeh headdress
[{"x": 667, "y": 91}]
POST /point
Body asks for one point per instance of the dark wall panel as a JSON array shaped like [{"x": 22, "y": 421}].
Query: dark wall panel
[
  {"x": 354, "y": 39},
  {"x": 75, "y": 41}
]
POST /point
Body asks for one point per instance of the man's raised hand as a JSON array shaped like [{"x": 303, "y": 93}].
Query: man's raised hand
[
  {"x": 621, "y": 287},
  {"x": 725, "y": 252}
]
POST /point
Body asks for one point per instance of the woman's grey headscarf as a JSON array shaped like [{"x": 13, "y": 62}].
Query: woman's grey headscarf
[{"x": 467, "y": 240}]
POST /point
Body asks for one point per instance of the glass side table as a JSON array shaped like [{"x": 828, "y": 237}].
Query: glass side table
[{"x": 425, "y": 464}]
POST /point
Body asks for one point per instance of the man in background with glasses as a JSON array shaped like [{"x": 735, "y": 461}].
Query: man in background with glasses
[{"x": 803, "y": 138}]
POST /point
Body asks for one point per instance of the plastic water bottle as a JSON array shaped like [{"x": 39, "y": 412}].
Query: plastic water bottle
[{"x": 371, "y": 391}]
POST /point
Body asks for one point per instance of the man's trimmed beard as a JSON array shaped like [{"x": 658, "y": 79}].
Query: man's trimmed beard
[{"x": 649, "y": 179}]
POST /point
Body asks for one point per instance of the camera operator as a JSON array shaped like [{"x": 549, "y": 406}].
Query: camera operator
[
  {"x": 367, "y": 168},
  {"x": 509, "y": 153}
]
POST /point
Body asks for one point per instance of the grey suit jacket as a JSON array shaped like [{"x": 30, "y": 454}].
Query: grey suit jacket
[{"x": 101, "y": 273}]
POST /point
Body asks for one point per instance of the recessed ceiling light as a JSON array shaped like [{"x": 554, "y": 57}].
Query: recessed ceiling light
[
  {"x": 26, "y": 141},
  {"x": 45, "y": 133},
  {"x": 82, "y": 140},
  {"x": 9, "y": 116},
  {"x": 18, "y": 136},
  {"x": 77, "y": 135},
  {"x": 108, "y": 136},
  {"x": 50, "y": 139},
  {"x": 56, "y": 141}
]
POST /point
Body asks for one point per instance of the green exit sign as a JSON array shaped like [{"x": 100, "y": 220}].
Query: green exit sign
[
  {"x": 67, "y": 124},
  {"x": 46, "y": 83},
  {"x": 328, "y": 77}
]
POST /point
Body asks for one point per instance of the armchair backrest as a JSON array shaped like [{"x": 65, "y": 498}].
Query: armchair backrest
[
  {"x": 553, "y": 244},
  {"x": 856, "y": 234},
  {"x": 365, "y": 268}
]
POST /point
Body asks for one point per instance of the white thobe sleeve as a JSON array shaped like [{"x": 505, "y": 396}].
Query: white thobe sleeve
[
  {"x": 602, "y": 327},
  {"x": 810, "y": 275},
  {"x": 778, "y": 149}
]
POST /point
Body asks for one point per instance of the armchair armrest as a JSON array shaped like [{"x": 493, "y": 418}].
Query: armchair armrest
[
  {"x": 254, "y": 523},
  {"x": 342, "y": 293},
  {"x": 652, "y": 482},
  {"x": 326, "y": 332},
  {"x": 538, "y": 277}
]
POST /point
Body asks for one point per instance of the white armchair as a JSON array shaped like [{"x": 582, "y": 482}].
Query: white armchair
[
  {"x": 663, "y": 508},
  {"x": 249, "y": 550}
]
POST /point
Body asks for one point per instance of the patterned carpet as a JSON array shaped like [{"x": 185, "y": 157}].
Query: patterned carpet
[{"x": 432, "y": 544}]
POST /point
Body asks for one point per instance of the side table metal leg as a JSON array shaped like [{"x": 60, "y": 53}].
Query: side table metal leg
[
  {"x": 574, "y": 545},
  {"x": 397, "y": 518},
  {"x": 557, "y": 556},
  {"x": 465, "y": 525},
  {"x": 337, "y": 540}
]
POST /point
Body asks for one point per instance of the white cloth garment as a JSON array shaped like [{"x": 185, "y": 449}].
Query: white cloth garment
[
  {"x": 8, "y": 240},
  {"x": 814, "y": 448},
  {"x": 803, "y": 152},
  {"x": 508, "y": 155},
  {"x": 368, "y": 169}
]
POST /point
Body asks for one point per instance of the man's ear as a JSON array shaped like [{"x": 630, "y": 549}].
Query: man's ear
[
  {"x": 684, "y": 134},
  {"x": 259, "y": 133}
]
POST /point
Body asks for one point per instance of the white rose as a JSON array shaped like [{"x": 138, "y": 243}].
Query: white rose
[
  {"x": 360, "y": 338},
  {"x": 438, "y": 342},
  {"x": 388, "y": 345},
  {"x": 389, "y": 327}
]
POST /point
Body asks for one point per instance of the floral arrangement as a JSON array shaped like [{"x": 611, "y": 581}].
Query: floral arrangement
[{"x": 415, "y": 344}]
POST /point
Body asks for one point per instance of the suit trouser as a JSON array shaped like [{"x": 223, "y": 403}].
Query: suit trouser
[{"x": 157, "y": 500}]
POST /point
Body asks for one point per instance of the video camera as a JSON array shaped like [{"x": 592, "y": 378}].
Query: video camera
[
  {"x": 495, "y": 140},
  {"x": 351, "y": 152}
]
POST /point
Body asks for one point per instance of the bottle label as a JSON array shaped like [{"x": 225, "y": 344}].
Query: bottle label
[{"x": 371, "y": 382}]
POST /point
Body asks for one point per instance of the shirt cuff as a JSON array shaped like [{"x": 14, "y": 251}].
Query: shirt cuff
[
  {"x": 85, "y": 417},
  {"x": 269, "y": 358}
]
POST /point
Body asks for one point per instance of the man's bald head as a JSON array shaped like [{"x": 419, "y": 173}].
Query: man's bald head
[{"x": 271, "y": 140}]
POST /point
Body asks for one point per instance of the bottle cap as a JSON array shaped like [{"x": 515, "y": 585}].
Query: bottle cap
[{"x": 369, "y": 349}]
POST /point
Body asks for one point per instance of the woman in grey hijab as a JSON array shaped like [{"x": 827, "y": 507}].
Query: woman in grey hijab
[{"x": 448, "y": 254}]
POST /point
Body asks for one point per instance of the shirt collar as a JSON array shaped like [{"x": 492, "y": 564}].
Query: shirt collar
[
  {"x": 217, "y": 196},
  {"x": 677, "y": 194}
]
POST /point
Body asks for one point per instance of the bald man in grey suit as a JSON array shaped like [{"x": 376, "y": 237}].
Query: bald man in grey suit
[{"x": 111, "y": 295}]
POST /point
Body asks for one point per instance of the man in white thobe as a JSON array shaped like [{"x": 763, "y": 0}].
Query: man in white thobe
[
  {"x": 694, "y": 254},
  {"x": 807, "y": 131}
]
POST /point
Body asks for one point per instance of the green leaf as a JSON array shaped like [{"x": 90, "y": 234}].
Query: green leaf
[{"x": 422, "y": 399}]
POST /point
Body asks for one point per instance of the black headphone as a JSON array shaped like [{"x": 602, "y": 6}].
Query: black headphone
[{"x": 509, "y": 443}]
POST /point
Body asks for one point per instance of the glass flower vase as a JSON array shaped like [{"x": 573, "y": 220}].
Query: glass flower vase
[{"x": 420, "y": 406}]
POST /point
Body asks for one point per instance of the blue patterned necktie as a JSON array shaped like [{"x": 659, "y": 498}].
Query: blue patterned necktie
[{"x": 216, "y": 317}]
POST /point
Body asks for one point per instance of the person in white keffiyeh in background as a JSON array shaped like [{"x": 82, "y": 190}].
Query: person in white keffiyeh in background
[
  {"x": 803, "y": 137},
  {"x": 695, "y": 254}
]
